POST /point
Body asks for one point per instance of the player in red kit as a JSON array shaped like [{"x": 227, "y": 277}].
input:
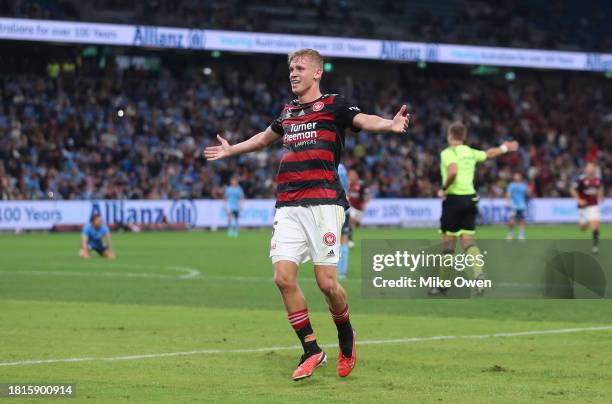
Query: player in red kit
[
  {"x": 588, "y": 191},
  {"x": 310, "y": 201},
  {"x": 358, "y": 196}
]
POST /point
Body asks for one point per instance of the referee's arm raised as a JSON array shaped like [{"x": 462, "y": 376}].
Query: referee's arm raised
[{"x": 503, "y": 148}]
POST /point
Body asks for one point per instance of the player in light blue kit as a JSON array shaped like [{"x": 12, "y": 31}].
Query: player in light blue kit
[
  {"x": 346, "y": 228},
  {"x": 96, "y": 236},
  {"x": 234, "y": 198},
  {"x": 517, "y": 194}
]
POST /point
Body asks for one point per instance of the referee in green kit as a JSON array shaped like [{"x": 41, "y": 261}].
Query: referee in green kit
[{"x": 459, "y": 200}]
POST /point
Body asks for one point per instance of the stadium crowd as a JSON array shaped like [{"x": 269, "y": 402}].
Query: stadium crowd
[
  {"x": 129, "y": 136},
  {"x": 565, "y": 24}
]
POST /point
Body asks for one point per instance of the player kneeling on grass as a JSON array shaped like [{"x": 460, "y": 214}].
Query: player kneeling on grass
[
  {"x": 96, "y": 236},
  {"x": 588, "y": 191}
]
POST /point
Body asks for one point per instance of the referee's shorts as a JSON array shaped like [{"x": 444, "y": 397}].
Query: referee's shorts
[{"x": 459, "y": 215}]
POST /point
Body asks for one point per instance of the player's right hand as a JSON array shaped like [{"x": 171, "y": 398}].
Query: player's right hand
[
  {"x": 218, "y": 152},
  {"x": 582, "y": 203}
]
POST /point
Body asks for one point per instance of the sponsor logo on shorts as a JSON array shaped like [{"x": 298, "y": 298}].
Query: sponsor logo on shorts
[
  {"x": 329, "y": 238},
  {"x": 317, "y": 106}
]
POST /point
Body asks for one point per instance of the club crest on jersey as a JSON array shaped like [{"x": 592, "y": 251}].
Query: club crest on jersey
[
  {"x": 317, "y": 106},
  {"x": 329, "y": 239}
]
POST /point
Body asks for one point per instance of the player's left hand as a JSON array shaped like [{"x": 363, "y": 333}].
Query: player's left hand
[
  {"x": 441, "y": 193},
  {"x": 400, "y": 120}
]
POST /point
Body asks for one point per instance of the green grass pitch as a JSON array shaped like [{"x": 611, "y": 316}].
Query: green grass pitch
[{"x": 237, "y": 346}]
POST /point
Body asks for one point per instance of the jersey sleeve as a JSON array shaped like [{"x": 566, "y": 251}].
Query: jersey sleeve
[
  {"x": 479, "y": 155},
  {"x": 510, "y": 188},
  {"x": 345, "y": 112},
  {"x": 85, "y": 231},
  {"x": 104, "y": 230},
  {"x": 277, "y": 126}
]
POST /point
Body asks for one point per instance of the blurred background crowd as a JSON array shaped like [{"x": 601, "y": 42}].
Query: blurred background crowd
[
  {"x": 544, "y": 24},
  {"x": 88, "y": 122}
]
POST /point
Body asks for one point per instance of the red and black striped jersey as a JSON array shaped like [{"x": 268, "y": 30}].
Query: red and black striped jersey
[
  {"x": 313, "y": 139},
  {"x": 357, "y": 195},
  {"x": 588, "y": 189}
]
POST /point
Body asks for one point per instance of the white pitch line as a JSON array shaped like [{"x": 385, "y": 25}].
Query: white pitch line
[
  {"x": 151, "y": 275},
  {"x": 138, "y": 275},
  {"x": 91, "y": 274},
  {"x": 293, "y": 347},
  {"x": 189, "y": 272}
]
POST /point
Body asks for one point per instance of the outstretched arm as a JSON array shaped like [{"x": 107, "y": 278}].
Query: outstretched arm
[
  {"x": 376, "y": 124},
  {"x": 504, "y": 148},
  {"x": 257, "y": 142}
]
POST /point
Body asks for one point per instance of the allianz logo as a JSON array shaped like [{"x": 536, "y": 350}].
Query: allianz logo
[{"x": 181, "y": 211}]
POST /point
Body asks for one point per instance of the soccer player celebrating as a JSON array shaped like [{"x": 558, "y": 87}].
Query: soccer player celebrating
[
  {"x": 234, "y": 202},
  {"x": 96, "y": 236},
  {"x": 517, "y": 194},
  {"x": 310, "y": 200},
  {"x": 588, "y": 191},
  {"x": 460, "y": 202}
]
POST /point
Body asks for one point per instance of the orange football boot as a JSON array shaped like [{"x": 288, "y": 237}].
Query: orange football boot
[
  {"x": 346, "y": 365},
  {"x": 308, "y": 365}
]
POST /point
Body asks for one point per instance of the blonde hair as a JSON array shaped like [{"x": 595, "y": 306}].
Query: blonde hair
[
  {"x": 306, "y": 52},
  {"x": 458, "y": 131}
]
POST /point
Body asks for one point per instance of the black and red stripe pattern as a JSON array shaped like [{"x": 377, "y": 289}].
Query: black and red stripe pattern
[
  {"x": 299, "y": 319},
  {"x": 313, "y": 138},
  {"x": 340, "y": 317}
]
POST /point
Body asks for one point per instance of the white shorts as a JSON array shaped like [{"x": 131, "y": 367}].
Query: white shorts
[
  {"x": 355, "y": 214},
  {"x": 588, "y": 214},
  {"x": 302, "y": 233}
]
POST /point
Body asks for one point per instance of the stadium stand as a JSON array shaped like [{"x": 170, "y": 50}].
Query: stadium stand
[
  {"x": 103, "y": 132},
  {"x": 567, "y": 24}
]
